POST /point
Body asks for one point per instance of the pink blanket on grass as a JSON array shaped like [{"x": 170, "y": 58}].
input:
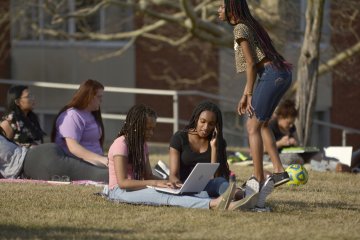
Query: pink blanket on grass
[{"x": 78, "y": 182}]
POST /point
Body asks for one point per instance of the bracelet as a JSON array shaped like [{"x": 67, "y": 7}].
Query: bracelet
[{"x": 248, "y": 94}]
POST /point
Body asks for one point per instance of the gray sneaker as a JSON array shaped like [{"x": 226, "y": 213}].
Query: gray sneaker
[
  {"x": 280, "y": 178},
  {"x": 252, "y": 186},
  {"x": 247, "y": 203},
  {"x": 265, "y": 191}
]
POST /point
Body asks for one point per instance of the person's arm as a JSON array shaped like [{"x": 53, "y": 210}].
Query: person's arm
[
  {"x": 174, "y": 165},
  {"x": 79, "y": 151},
  {"x": 213, "y": 144},
  {"x": 5, "y": 125},
  {"x": 120, "y": 165},
  {"x": 294, "y": 140},
  {"x": 244, "y": 106},
  {"x": 283, "y": 142}
]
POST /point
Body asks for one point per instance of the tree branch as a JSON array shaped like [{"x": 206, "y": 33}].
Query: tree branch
[{"x": 339, "y": 58}]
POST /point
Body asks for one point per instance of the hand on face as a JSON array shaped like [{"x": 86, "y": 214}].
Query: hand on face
[{"x": 213, "y": 141}]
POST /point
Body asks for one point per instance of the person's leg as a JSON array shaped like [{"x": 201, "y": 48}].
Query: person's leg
[
  {"x": 48, "y": 160},
  {"x": 271, "y": 87},
  {"x": 270, "y": 145},
  {"x": 150, "y": 196},
  {"x": 216, "y": 186},
  {"x": 256, "y": 147}
]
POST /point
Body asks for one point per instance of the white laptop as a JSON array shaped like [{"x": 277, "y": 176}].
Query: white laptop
[{"x": 196, "y": 181}]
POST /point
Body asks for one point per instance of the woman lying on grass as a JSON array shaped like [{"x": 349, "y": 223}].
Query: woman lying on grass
[
  {"x": 130, "y": 171},
  {"x": 44, "y": 162}
]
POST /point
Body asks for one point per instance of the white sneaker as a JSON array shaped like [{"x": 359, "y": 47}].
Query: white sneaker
[
  {"x": 265, "y": 191},
  {"x": 252, "y": 186}
]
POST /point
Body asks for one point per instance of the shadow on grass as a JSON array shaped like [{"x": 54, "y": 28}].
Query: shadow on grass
[
  {"x": 303, "y": 206},
  {"x": 46, "y": 232}
]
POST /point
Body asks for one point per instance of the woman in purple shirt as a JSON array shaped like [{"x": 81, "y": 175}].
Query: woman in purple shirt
[{"x": 78, "y": 127}]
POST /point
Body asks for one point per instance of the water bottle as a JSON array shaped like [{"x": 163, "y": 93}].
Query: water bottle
[{"x": 232, "y": 177}]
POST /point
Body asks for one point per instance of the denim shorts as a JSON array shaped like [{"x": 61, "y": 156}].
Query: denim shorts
[{"x": 271, "y": 86}]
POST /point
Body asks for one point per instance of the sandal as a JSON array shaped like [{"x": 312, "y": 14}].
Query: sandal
[{"x": 227, "y": 197}]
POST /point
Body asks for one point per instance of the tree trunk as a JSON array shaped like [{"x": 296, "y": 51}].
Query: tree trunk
[{"x": 307, "y": 73}]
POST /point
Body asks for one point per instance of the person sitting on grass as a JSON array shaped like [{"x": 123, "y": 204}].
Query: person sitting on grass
[
  {"x": 282, "y": 125},
  {"x": 130, "y": 171},
  {"x": 201, "y": 141},
  {"x": 20, "y": 123},
  {"x": 44, "y": 162},
  {"x": 78, "y": 128}
]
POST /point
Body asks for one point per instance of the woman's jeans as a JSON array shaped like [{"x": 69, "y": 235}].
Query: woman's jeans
[
  {"x": 149, "y": 196},
  {"x": 271, "y": 86},
  {"x": 216, "y": 187}
]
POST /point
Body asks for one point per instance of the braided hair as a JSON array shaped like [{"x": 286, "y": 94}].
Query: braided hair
[
  {"x": 237, "y": 11},
  {"x": 134, "y": 130},
  {"x": 223, "y": 170}
]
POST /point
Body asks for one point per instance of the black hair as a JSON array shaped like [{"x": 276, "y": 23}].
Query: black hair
[
  {"x": 31, "y": 120},
  {"x": 237, "y": 11},
  {"x": 223, "y": 170},
  {"x": 134, "y": 132}
]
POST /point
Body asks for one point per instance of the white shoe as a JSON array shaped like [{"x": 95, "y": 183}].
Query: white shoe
[
  {"x": 265, "y": 191},
  {"x": 252, "y": 186}
]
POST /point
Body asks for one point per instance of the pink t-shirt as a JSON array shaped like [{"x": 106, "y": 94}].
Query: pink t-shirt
[{"x": 119, "y": 147}]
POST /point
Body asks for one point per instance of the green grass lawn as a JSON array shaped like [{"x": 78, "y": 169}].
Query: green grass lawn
[{"x": 327, "y": 207}]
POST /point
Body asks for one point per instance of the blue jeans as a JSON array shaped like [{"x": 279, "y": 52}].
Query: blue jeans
[
  {"x": 149, "y": 196},
  {"x": 272, "y": 85},
  {"x": 216, "y": 187}
]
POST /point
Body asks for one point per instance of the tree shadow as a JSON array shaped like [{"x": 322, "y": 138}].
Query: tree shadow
[
  {"x": 11, "y": 231},
  {"x": 305, "y": 206}
]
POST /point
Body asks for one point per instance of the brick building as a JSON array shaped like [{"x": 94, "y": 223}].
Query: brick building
[{"x": 345, "y": 108}]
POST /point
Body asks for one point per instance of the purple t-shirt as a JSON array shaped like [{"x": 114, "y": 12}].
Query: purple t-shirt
[{"x": 81, "y": 126}]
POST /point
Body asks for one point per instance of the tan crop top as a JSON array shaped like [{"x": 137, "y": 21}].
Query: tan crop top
[{"x": 242, "y": 31}]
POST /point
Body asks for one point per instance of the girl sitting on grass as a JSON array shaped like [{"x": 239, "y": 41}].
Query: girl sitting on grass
[{"x": 130, "y": 171}]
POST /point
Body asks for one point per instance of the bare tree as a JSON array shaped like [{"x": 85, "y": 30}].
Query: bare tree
[
  {"x": 308, "y": 68},
  {"x": 195, "y": 19}
]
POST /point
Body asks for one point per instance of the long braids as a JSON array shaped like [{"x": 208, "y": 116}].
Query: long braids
[
  {"x": 221, "y": 154},
  {"x": 134, "y": 132},
  {"x": 239, "y": 11}
]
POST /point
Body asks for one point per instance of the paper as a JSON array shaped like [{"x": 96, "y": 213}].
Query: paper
[{"x": 343, "y": 154}]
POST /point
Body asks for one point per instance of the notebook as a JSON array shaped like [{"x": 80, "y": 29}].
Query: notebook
[
  {"x": 300, "y": 150},
  {"x": 196, "y": 181}
]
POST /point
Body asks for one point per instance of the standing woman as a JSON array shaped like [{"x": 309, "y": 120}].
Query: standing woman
[
  {"x": 255, "y": 54},
  {"x": 78, "y": 128},
  {"x": 20, "y": 123},
  {"x": 201, "y": 141}
]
